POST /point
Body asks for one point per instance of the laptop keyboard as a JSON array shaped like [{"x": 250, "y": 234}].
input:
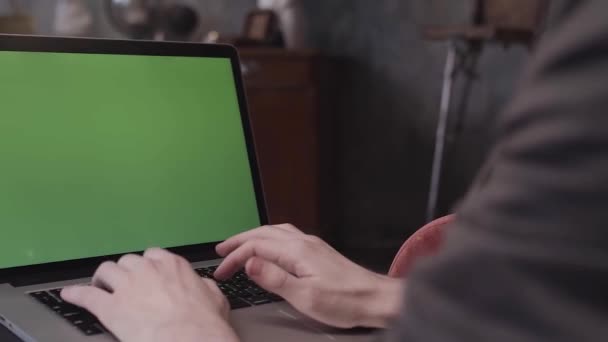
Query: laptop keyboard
[
  {"x": 240, "y": 291},
  {"x": 78, "y": 317}
]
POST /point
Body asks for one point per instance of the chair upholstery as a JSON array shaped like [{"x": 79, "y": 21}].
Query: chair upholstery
[{"x": 425, "y": 242}]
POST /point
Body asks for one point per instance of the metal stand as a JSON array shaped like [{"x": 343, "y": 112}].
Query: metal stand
[
  {"x": 492, "y": 21},
  {"x": 444, "y": 114},
  {"x": 460, "y": 59}
]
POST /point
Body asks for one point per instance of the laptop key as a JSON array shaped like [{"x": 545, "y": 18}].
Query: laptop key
[
  {"x": 259, "y": 300},
  {"x": 240, "y": 290},
  {"x": 244, "y": 294},
  {"x": 275, "y": 298},
  {"x": 229, "y": 287},
  {"x": 91, "y": 330},
  {"x": 79, "y": 322},
  {"x": 257, "y": 291},
  {"x": 58, "y": 308},
  {"x": 230, "y": 294},
  {"x": 67, "y": 315},
  {"x": 76, "y": 316},
  {"x": 237, "y": 303},
  {"x": 64, "y": 308},
  {"x": 242, "y": 286},
  {"x": 100, "y": 327},
  {"x": 44, "y": 298},
  {"x": 56, "y": 293},
  {"x": 82, "y": 318},
  {"x": 90, "y": 327},
  {"x": 70, "y": 311},
  {"x": 203, "y": 273}
]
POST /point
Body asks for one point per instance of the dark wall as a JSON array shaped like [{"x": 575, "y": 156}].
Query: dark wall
[{"x": 388, "y": 102}]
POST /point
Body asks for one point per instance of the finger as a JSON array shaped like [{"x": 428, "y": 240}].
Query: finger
[
  {"x": 266, "y": 232},
  {"x": 163, "y": 256},
  {"x": 109, "y": 276},
  {"x": 289, "y": 227},
  {"x": 130, "y": 261},
  {"x": 212, "y": 285},
  {"x": 272, "y": 277},
  {"x": 95, "y": 300},
  {"x": 168, "y": 263},
  {"x": 275, "y": 251},
  {"x": 157, "y": 254}
]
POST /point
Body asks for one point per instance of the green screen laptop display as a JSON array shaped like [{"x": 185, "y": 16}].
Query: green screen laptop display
[{"x": 107, "y": 154}]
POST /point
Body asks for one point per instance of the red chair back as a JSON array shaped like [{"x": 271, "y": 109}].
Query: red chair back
[{"x": 425, "y": 242}]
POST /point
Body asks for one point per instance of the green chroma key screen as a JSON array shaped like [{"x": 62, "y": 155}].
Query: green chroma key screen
[{"x": 108, "y": 154}]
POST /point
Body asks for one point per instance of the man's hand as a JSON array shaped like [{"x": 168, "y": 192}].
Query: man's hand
[
  {"x": 312, "y": 276},
  {"x": 157, "y": 297}
]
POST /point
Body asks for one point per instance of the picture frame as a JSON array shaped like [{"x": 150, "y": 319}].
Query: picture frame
[{"x": 261, "y": 26}]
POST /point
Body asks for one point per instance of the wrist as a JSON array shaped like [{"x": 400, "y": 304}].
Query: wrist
[{"x": 383, "y": 304}]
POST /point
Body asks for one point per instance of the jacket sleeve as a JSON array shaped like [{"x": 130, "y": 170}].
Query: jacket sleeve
[{"x": 527, "y": 259}]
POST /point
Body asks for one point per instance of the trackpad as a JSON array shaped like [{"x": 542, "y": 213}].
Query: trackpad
[{"x": 280, "y": 322}]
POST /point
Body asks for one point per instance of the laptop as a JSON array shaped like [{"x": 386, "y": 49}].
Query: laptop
[{"x": 109, "y": 147}]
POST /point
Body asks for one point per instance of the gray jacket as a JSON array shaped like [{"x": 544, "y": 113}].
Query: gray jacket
[{"x": 527, "y": 259}]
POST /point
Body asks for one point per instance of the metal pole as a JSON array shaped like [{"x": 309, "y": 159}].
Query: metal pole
[{"x": 444, "y": 113}]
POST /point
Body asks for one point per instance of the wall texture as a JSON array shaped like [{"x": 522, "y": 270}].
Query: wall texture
[{"x": 388, "y": 107}]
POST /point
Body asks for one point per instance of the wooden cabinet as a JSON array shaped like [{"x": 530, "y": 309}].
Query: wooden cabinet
[{"x": 284, "y": 91}]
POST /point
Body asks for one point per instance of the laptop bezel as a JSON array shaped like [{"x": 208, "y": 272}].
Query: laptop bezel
[{"x": 40, "y": 273}]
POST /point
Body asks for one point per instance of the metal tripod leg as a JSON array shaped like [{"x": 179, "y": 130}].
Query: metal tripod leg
[{"x": 440, "y": 136}]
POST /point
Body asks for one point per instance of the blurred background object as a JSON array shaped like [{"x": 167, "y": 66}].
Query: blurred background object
[
  {"x": 291, "y": 20},
  {"x": 507, "y": 22},
  {"x": 261, "y": 29},
  {"x": 16, "y": 20},
  {"x": 73, "y": 18},
  {"x": 181, "y": 22},
  {"x": 91, "y": 18},
  {"x": 137, "y": 19},
  {"x": 153, "y": 19}
]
